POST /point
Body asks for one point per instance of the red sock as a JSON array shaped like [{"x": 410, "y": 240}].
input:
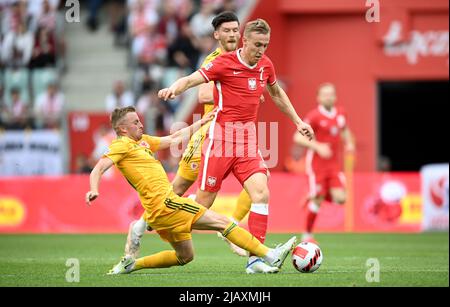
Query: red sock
[
  {"x": 257, "y": 224},
  {"x": 257, "y": 221},
  {"x": 311, "y": 216},
  {"x": 310, "y": 219}
]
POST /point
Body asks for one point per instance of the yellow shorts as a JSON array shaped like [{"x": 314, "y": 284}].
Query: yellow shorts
[
  {"x": 190, "y": 162},
  {"x": 173, "y": 220}
]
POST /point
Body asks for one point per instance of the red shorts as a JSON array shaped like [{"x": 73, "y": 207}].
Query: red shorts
[
  {"x": 218, "y": 160},
  {"x": 321, "y": 181}
]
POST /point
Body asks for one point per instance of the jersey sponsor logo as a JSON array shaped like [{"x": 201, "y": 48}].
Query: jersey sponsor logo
[
  {"x": 212, "y": 181},
  {"x": 237, "y": 72},
  {"x": 252, "y": 84},
  {"x": 208, "y": 66}
]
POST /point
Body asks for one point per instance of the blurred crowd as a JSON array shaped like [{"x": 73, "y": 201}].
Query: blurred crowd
[
  {"x": 166, "y": 40},
  {"x": 32, "y": 49}
]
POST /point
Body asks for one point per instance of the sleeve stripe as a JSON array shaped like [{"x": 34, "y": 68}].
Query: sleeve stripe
[{"x": 204, "y": 75}]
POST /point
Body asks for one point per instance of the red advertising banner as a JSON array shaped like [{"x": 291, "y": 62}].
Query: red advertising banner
[
  {"x": 87, "y": 131},
  {"x": 380, "y": 203}
]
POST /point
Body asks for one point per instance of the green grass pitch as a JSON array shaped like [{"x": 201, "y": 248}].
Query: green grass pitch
[{"x": 405, "y": 260}]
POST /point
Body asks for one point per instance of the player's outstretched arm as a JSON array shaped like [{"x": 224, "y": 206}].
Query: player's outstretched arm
[
  {"x": 94, "y": 179},
  {"x": 206, "y": 93},
  {"x": 282, "y": 101},
  {"x": 181, "y": 85},
  {"x": 183, "y": 135}
]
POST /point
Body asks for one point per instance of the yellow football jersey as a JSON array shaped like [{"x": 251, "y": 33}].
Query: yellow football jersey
[
  {"x": 208, "y": 107},
  {"x": 136, "y": 161}
]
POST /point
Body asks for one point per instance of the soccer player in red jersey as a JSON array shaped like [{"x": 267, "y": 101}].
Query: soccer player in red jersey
[
  {"x": 240, "y": 79},
  {"x": 324, "y": 158}
]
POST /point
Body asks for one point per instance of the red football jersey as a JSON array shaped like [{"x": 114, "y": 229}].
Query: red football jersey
[
  {"x": 238, "y": 88},
  {"x": 328, "y": 126}
]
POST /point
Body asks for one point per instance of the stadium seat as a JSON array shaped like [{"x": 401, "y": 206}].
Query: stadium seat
[
  {"x": 16, "y": 78},
  {"x": 40, "y": 79}
]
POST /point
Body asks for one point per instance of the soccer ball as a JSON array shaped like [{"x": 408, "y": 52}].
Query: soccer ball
[{"x": 307, "y": 257}]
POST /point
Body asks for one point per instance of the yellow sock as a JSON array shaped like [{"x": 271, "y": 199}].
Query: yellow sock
[
  {"x": 245, "y": 240},
  {"x": 163, "y": 259},
  {"x": 243, "y": 205}
]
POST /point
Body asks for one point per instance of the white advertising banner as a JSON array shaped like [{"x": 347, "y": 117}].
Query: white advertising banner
[
  {"x": 435, "y": 196},
  {"x": 24, "y": 153}
]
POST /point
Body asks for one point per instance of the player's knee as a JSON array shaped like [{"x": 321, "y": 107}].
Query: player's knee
[
  {"x": 260, "y": 195},
  {"x": 185, "y": 258},
  {"x": 340, "y": 199},
  {"x": 181, "y": 186}
]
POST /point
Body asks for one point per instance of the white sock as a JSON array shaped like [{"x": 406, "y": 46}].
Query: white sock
[
  {"x": 262, "y": 209},
  {"x": 139, "y": 228},
  {"x": 313, "y": 207}
]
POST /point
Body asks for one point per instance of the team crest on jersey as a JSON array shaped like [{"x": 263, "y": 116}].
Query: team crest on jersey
[
  {"x": 252, "y": 84},
  {"x": 208, "y": 66},
  {"x": 211, "y": 181},
  {"x": 144, "y": 144}
]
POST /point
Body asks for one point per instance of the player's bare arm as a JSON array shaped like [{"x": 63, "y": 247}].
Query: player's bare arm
[
  {"x": 94, "y": 179},
  {"x": 206, "y": 93},
  {"x": 181, "y": 85},
  {"x": 183, "y": 135},
  {"x": 322, "y": 149},
  {"x": 282, "y": 101}
]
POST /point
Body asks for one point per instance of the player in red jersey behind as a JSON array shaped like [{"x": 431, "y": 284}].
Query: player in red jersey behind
[
  {"x": 324, "y": 158},
  {"x": 231, "y": 147}
]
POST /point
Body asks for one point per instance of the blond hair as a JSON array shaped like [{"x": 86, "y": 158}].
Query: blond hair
[
  {"x": 325, "y": 84},
  {"x": 259, "y": 26},
  {"x": 117, "y": 115}
]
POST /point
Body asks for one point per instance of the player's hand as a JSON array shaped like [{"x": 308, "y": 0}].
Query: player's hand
[
  {"x": 305, "y": 130},
  {"x": 208, "y": 116},
  {"x": 324, "y": 151},
  {"x": 91, "y": 196},
  {"x": 166, "y": 94}
]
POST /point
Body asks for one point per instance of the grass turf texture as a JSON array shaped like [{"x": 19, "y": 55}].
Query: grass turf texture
[{"x": 405, "y": 260}]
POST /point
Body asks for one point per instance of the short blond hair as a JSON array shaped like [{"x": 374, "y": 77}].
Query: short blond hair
[
  {"x": 259, "y": 26},
  {"x": 117, "y": 115},
  {"x": 325, "y": 84}
]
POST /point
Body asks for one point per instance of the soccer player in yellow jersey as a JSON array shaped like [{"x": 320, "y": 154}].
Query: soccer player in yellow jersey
[
  {"x": 226, "y": 32},
  {"x": 172, "y": 216}
]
